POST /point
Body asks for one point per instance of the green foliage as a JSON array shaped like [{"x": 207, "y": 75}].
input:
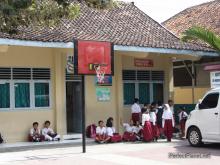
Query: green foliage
[
  {"x": 38, "y": 13},
  {"x": 202, "y": 34}
]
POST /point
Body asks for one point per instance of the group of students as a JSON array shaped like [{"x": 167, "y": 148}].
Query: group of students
[
  {"x": 153, "y": 121},
  {"x": 46, "y": 134}
]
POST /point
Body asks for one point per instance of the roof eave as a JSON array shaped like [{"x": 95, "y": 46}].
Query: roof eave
[{"x": 15, "y": 42}]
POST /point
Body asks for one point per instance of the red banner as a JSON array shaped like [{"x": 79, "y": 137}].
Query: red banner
[{"x": 140, "y": 62}]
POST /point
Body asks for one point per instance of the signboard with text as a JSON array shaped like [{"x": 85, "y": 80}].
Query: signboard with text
[
  {"x": 215, "y": 79},
  {"x": 141, "y": 62}
]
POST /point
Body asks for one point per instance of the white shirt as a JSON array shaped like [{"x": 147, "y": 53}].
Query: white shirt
[
  {"x": 137, "y": 129},
  {"x": 100, "y": 131},
  {"x": 128, "y": 128},
  {"x": 182, "y": 115},
  {"x": 153, "y": 117},
  {"x": 34, "y": 132},
  {"x": 172, "y": 109},
  {"x": 110, "y": 131},
  {"x": 145, "y": 117},
  {"x": 135, "y": 108},
  {"x": 167, "y": 115},
  {"x": 45, "y": 131}
]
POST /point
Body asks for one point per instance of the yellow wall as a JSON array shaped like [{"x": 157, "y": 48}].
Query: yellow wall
[
  {"x": 183, "y": 95},
  {"x": 15, "y": 124}
]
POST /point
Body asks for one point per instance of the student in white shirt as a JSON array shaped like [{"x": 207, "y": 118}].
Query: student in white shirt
[
  {"x": 48, "y": 133},
  {"x": 101, "y": 133},
  {"x": 182, "y": 120},
  {"x": 153, "y": 120},
  {"x": 168, "y": 122},
  {"x": 114, "y": 137},
  {"x": 135, "y": 111},
  {"x": 129, "y": 134},
  {"x": 138, "y": 131},
  {"x": 147, "y": 130},
  {"x": 35, "y": 135}
]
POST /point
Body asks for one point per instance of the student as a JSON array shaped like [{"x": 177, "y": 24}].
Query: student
[
  {"x": 182, "y": 119},
  {"x": 153, "y": 120},
  {"x": 168, "y": 122},
  {"x": 35, "y": 135},
  {"x": 48, "y": 132},
  {"x": 101, "y": 133},
  {"x": 138, "y": 131},
  {"x": 171, "y": 105},
  {"x": 129, "y": 134},
  {"x": 114, "y": 137},
  {"x": 147, "y": 130},
  {"x": 160, "y": 110},
  {"x": 135, "y": 111}
]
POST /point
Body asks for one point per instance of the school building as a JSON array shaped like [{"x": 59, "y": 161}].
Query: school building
[{"x": 35, "y": 84}]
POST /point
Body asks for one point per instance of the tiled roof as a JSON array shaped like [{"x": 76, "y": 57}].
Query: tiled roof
[
  {"x": 124, "y": 25},
  {"x": 206, "y": 15}
]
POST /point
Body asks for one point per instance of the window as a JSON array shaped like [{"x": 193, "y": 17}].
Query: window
[
  {"x": 210, "y": 101},
  {"x": 42, "y": 95},
  {"x": 24, "y": 88},
  {"x": 143, "y": 84},
  {"x": 4, "y": 95}
]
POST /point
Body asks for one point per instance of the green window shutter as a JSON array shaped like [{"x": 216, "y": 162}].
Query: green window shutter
[
  {"x": 5, "y": 95},
  {"x": 41, "y": 91},
  {"x": 144, "y": 93},
  {"x": 22, "y": 95},
  {"x": 158, "y": 92},
  {"x": 129, "y": 93}
]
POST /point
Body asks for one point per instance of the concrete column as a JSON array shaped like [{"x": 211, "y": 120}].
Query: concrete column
[
  {"x": 170, "y": 80},
  {"x": 119, "y": 90},
  {"x": 59, "y": 93}
]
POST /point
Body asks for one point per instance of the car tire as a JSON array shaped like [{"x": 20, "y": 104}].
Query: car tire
[{"x": 194, "y": 137}]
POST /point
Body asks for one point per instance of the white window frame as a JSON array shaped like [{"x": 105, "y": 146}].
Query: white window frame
[{"x": 32, "y": 94}]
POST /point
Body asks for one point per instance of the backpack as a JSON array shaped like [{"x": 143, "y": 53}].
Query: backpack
[
  {"x": 91, "y": 131},
  {"x": 1, "y": 139}
]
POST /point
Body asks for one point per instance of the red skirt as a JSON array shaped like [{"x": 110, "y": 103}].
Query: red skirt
[
  {"x": 147, "y": 131},
  {"x": 100, "y": 138},
  {"x": 168, "y": 129},
  {"x": 135, "y": 117},
  {"x": 182, "y": 125},
  {"x": 155, "y": 131},
  {"x": 116, "y": 138},
  {"x": 36, "y": 138},
  {"x": 127, "y": 136}
]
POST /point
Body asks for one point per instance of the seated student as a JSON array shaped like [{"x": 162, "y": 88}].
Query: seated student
[
  {"x": 129, "y": 134},
  {"x": 48, "y": 132},
  {"x": 114, "y": 137},
  {"x": 138, "y": 131},
  {"x": 101, "y": 133},
  {"x": 35, "y": 135}
]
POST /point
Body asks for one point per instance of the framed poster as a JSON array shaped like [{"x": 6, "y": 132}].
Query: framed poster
[
  {"x": 103, "y": 94},
  {"x": 107, "y": 81}
]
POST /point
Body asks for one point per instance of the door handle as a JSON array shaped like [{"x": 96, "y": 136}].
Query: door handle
[{"x": 216, "y": 113}]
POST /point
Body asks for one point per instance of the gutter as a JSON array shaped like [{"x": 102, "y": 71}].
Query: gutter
[{"x": 14, "y": 42}]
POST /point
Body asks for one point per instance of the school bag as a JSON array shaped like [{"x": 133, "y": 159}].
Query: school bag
[
  {"x": 1, "y": 139},
  {"x": 91, "y": 131}
]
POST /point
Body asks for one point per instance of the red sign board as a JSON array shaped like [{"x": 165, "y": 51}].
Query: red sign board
[
  {"x": 140, "y": 62},
  {"x": 91, "y": 53}
]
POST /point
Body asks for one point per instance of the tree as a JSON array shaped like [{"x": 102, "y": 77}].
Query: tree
[
  {"x": 38, "y": 13},
  {"x": 199, "y": 33}
]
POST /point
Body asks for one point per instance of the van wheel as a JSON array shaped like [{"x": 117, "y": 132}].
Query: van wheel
[{"x": 194, "y": 137}]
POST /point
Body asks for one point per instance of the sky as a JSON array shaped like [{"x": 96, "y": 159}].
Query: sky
[{"x": 161, "y": 10}]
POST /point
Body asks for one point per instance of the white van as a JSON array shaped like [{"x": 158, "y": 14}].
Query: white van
[{"x": 203, "y": 124}]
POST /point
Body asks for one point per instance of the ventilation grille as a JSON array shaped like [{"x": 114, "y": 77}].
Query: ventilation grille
[
  {"x": 21, "y": 73},
  {"x": 41, "y": 73},
  {"x": 157, "y": 75},
  {"x": 129, "y": 75},
  {"x": 72, "y": 77},
  {"x": 143, "y": 75},
  {"x": 5, "y": 73}
]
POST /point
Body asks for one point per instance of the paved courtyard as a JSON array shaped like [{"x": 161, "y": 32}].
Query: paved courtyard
[{"x": 115, "y": 154}]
